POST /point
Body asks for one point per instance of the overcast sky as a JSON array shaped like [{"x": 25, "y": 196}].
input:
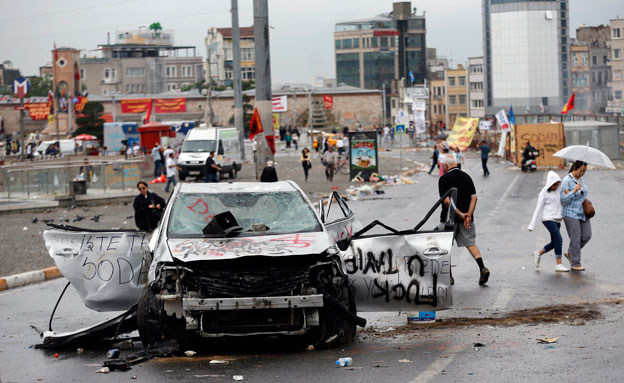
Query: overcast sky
[{"x": 301, "y": 39}]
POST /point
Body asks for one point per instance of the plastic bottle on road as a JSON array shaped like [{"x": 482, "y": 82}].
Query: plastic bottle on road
[{"x": 344, "y": 362}]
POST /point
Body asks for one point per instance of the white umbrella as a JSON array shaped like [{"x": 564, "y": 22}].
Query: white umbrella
[{"x": 586, "y": 154}]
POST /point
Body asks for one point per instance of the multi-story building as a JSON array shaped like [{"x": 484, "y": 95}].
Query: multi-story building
[
  {"x": 367, "y": 51},
  {"x": 475, "y": 87},
  {"x": 140, "y": 62},
  {"x": 436, "y": 65},
  {"x": 437, "y": 101},
  {"x": 525, "y": 54},
  {"x": 456, "y": 94},
  {"x": 219, "y": 65},
  {"x": 616, "y": 82},
  {"x": 590, "y": 71}
]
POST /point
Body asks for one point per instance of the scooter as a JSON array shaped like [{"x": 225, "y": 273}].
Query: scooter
[{"x": 528, "y": 161}]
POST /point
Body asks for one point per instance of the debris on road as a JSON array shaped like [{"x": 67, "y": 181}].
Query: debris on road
[
  {"x": 117, "y": 365},
  {"x": 547, "y": 340},
  {"x": 79, "y": 350},
  {"x": 103, "y": 370},
  {"x": 344, "y": 362},
  {"x": 310, "y": 348},
  {"x": 190, "y": 353},
  {"x": 404, "y": 361},
  {"x": 238, "y": 378},
  {"x": 127, "y": 344},
  {"x": 218, "y": 361},
  {"x": 112, "y": 354}
]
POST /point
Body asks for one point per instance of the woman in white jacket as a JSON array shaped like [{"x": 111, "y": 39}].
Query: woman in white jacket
[{"x": 548, "y": 209}]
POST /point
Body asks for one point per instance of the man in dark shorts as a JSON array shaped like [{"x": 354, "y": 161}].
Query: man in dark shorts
[{"x": 465, "y": 234}]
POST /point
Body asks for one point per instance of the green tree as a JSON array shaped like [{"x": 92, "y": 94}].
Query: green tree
[
  {"x": 40, "y": 86},
  {"x": 91, "y": 121}
]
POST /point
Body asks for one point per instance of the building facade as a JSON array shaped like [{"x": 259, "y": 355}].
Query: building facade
[
  {"x": 590, "y": 69},
  {"x": 455, "y": 81},
  {"x": 141, "y": 62},
  {"x": 220, "y": 61},
  {"x": 437, "y": 101},
  {"x": 616, "y": 81},
  {"x": 526, "y": 54},
  {"x": 476, "y": 80},
  {"x": 367, "y": 51}
]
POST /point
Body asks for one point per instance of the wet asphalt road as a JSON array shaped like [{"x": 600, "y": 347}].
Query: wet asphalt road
[{"x": 587, "y": 351}]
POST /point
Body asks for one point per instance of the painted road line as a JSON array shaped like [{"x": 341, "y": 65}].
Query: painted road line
[
  {"x": 499, "y": 203},
  {"x": 503, "y": 298},
  {"x": 435, "y": 369}
]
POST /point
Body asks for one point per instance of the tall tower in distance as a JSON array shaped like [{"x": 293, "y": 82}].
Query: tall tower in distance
[
  {"x": 66, "y": 85},
  {"x": 526, "y": 55}
]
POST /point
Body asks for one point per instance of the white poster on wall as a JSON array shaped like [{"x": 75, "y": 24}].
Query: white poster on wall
[{"x": 280, "y": 104}]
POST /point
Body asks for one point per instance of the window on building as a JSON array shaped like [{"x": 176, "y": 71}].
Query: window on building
[
  {"x": 135, "y": 72},
  {"x": 593, "y": 77},
  {"x": 356, "y": 43},
  {"x": 374, "y": 42},
  {"x": 580, "y": 79},
  {"x": 82, "y": 74},
  {"x": 606, "y": 76},
  {"x": 477, "y": 104},
  {"x": 477, "y": 86},
  {"x": 392, "y": 41},
  {"x": 618, "y": 94},
  {"x": 605, "y": 60},
  {"x": 247, "y": 54},
  {"x": 574, "y": 59},
  {"x": 110, "y": 74},
  {"x": 453, "y": 100},
  {"x": 414, "y": 41},
  {"x": 348, "y": 68},
  {"x": 462, "y": 81},
  {"x": 462, "y": 99},
  {"x": 476, "y": 68},
  {"x": 383, "y": 42},
  {"x": 338, "y": 44},
  {"x": 435, "y": 109},
  {"x": 585, "y": 59},
  {"x": 564, "y": 40},
  {"x": 171, "y": 87},
  {"x": 599, "y": 78},
  {"x": 187, "y": 71},
  {"x": 451, "y": 81},
  {"x": 594, "y": 60},
  {"x": 347, "y": 43},
  {"x": 393, "y": 104},
  {"x": 443, "y": 108},
  {"x": 248, "y": 73},
  {"x": 170, "y": 71},
  {"x": 617, "y": 54},
  {"x": 616, "y": 33}
]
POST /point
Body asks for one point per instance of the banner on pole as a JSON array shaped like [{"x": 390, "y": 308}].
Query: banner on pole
[
  {"x": 38, "y": 111},
  {"x": 463, "y": 132},
  {"x": 82, "y": 101},
  {"x": 280, "y": 104},
  {"x": 501, "y": 117},
  {"x": 418, "y": 107},
  {"x": 328, "y": 101}
]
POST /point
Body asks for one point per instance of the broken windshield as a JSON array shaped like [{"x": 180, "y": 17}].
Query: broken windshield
[{"x": 257, "y": 213}]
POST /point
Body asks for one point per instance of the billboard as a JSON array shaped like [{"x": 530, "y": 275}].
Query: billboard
[{"x": 363, "y": 154}]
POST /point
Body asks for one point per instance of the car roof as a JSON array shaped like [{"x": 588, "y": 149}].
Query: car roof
[{"x": 239, "y": 187}]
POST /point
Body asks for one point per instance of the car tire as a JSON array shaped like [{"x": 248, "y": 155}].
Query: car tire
[
  {"x": 233, "y": 173},
  {"x": 182, "y": 176},
  {"x": 148, "y": 319}
]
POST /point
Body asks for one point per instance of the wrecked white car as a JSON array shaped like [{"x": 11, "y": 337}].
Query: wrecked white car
[{"x": 244, "y": 259}]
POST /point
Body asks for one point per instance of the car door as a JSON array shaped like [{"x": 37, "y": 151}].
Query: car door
[
  {"x": 401, "y": 270},
  {"x": 340, "y": 223},
  {"x": 108, "y": 268}
]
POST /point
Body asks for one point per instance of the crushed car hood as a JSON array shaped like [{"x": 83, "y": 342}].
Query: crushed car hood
[{"x": 202, "y": 249}]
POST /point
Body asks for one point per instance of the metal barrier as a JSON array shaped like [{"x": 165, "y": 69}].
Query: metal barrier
[{"x": 56, "y": 180}]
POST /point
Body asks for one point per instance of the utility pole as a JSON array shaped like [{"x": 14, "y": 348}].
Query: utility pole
[
  {"x": 238, "y": 95},
  {"x": 56, "y": 96},
  {"x": 383, "y": 103},
  {"x": 263, "y": 81}
]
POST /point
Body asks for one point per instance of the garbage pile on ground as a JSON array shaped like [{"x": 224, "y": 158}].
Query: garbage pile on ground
[{"x": 357, "y": 192}]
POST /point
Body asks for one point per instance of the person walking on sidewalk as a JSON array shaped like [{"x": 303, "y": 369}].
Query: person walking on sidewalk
[
  {"x": 573, "y": 193},
  {"x": 443, "y": 154},
  {"x": 465, "y": 233},
  {"x": 485, "y": 153},
  {"x": 329, "y": 160},
  {"x": 158, "y": 161},
  {"x": 305, "y": 162},
  {"x": 172, "y": 170},
  {"x": 459, "y": 156},
  {"x": 434, "y": 157},
  {"x": 548, "y": 209}
]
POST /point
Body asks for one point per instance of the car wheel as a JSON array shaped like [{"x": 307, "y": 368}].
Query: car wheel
[
  {"x": 233, "y": 173},
  {"x": 182, "y": 176},
  {"x": 148, "y": 319}
]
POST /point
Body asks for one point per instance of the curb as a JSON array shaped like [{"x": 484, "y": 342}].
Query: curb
[{"x": 30, "y": 277}]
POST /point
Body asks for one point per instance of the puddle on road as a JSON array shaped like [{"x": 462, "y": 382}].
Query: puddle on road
[{"x": 573, "y": 314}]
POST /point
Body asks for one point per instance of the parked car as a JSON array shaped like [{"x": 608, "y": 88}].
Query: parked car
[{"x": 251, "y": 259}]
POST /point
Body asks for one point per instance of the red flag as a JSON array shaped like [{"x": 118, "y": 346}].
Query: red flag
[
  {"x": 255, "y": 125},
  {"x": 148, "y": 113},
  {"x": 271, "y": 141},
  {"x": 569, "y": 106}
]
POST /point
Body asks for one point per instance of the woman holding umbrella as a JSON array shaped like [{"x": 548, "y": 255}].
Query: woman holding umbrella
[{"x": 573, "y": 193}]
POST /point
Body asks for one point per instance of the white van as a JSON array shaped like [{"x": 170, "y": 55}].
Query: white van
[
  {"x": 198, "y": 144},
  {"x": 65, "y": 146}
]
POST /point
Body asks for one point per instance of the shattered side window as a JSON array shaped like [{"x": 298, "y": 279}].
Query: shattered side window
[{"x": 278, "y": 212}]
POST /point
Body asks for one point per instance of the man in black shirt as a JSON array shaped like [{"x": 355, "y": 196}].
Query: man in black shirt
[
  {"x": 465, "y": 234},
  {"x": 212, "y": 169}
]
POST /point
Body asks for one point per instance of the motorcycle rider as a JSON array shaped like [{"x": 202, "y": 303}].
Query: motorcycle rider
[{"x": 529, "y": 153}]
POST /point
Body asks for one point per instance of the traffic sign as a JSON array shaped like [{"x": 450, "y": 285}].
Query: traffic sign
[
  {"x": 21, "y": 87},
  {"x": 399, "y": 129}
]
